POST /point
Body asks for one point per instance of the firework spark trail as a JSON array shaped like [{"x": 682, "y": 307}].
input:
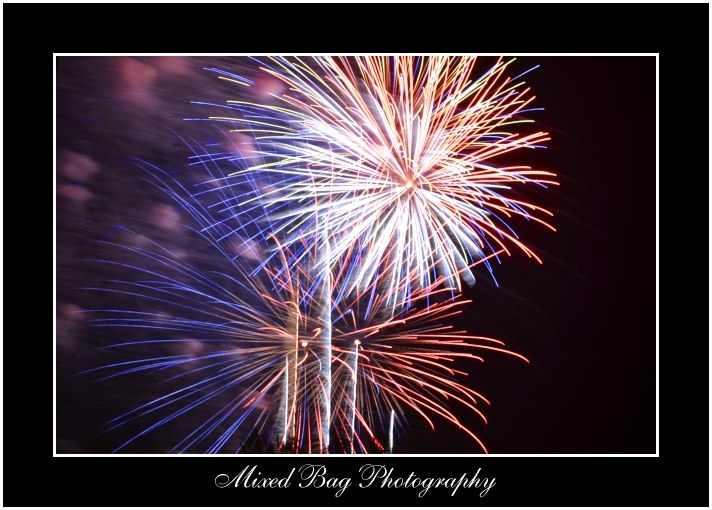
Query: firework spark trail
[
  {"x": 256, "y": 329},
  {"x": 353, "y": 394},
  {"x": 395, "y": 157},
  {"x": 325, "y": 302}
]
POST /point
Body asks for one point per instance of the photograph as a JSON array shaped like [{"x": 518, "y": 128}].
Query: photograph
[
  {"x": 361, "y": 254},
  {"x": 318, "y": 255}
]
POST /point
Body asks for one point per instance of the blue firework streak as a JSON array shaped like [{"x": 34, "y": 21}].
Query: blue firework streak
[{"x": 240, "y": 325}]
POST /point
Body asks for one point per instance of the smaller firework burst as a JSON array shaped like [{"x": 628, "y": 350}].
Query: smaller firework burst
[{"x": 239, "y": 350}]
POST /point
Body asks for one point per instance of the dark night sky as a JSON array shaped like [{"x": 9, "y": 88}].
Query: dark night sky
[{"x": 585, "y": 318}]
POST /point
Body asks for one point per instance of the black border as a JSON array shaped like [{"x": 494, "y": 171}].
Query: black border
[{"x": 32, "y": 33}]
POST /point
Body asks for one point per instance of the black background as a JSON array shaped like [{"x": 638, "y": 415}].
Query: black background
[{"x": 594, "y": 371}]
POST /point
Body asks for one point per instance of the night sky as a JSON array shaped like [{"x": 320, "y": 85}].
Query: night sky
[{"x": 585, "y": 318}]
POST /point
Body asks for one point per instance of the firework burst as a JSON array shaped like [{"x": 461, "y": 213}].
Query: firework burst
[
  {"x": 244, "y": 353},
  {"x": 391, "y": 164},
  {"x": 357, "y": 203}
]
